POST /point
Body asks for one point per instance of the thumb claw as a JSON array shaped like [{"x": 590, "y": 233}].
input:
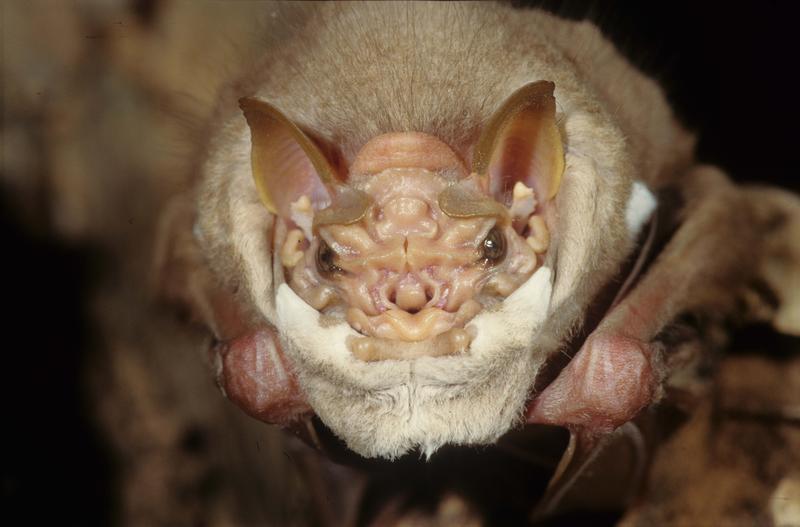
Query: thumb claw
[
  {"x": 589, "y": 449},
  {"x": 582, "y": 449}
]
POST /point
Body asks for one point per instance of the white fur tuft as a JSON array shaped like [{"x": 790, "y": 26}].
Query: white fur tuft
[
  {"x": 641, "y": 205},
  {"x": 387, "y": 408}
]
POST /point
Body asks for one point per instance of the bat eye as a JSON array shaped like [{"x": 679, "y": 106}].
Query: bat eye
[
  {"x": 494, "y": 246},
  {"x": 325, "y": 257}
]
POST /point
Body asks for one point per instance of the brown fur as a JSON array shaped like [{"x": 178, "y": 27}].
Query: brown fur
[
  {"x": 349, "y": 72},
  {"x": 108, "y": 187}
]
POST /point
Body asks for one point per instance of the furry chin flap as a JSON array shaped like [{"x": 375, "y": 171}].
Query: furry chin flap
[{"x": 387, "y": 408}]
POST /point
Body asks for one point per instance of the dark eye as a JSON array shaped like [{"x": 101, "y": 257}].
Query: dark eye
[
  {"x": 325, "y": 258},
  {"x": 493, "y": 246}
]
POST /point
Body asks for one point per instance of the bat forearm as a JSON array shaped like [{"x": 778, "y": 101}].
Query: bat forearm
[
  {"x": 618, "y": 370},
  {"x": 253, "y": 373}
]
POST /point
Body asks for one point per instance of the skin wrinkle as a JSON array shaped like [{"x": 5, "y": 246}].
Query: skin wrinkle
[
  {"x": 406, "y": 255},
  {"x": 506, "y": 49}
]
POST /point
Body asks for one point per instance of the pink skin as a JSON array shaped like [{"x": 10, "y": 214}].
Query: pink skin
[
  {"x": 616, "y": 372},
  {"x": 607, "y": 384},
  {"x": 251, "y": 368},
  {"x": 407, "y": 253},
  {"x": 613, "y": 376},
  {"x": 408, "y": 271},
  {"x": 255, "y": 376},
  {"x": 611, "y": 379},
  {"x": 406, "y": 150}
]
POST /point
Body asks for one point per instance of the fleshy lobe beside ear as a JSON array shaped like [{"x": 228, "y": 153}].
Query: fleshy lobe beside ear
[{"x": 521, "y": 143}]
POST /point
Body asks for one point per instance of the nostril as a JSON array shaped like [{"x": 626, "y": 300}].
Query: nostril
[
  {"x": 429, "y": 293},
  {"x": 408, "y": 295}
]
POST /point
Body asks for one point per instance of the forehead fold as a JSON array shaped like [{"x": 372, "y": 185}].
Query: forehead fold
[{"x": 406, "y": 150}]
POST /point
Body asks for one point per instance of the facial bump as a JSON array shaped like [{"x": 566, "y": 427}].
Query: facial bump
[
  {"x": 409, "y": 272},
  {"x": 405, "y": 216},
  {"x": 410, "y": 294}
]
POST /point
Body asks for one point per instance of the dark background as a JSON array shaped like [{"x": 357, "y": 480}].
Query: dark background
[{"x": 728, "y": 69}]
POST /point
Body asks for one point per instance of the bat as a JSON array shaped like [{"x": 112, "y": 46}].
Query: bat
[{"x": 428, "y": 224}]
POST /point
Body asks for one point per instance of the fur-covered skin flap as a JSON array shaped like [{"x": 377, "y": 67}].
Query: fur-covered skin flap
[
  {"x": 404, "y": 265},
  {"x": 387, "y": 407}
]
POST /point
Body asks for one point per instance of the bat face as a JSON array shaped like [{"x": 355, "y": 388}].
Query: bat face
[
  {"x": 399, "y": 276},
  {"x": 407, "y": 271},
  {"x": 412, "y": 264}
]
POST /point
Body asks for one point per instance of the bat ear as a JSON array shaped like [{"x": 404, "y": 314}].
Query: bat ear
[
  {"x": 286, "y": 163},
  {"x": 521, "y": 143}
]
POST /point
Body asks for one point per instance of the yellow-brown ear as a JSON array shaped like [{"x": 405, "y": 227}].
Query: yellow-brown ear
[
  {"x": 286, "y": 163},
  {"x": 521, "y": 142}
]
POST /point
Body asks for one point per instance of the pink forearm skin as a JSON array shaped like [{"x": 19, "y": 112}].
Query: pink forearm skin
[
  {"x": 616, "y": 373},
  {"x": 607, "y": 384},
  {"x": 255, "y": 377}
]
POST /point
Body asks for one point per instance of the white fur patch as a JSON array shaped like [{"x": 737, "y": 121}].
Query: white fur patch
[
  {"x": 641, "y": 205},
  {"x": 387, "y": 408}
]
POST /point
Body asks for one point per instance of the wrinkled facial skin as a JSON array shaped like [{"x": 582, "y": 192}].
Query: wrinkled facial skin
[{"x": 407, "y": 271}]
